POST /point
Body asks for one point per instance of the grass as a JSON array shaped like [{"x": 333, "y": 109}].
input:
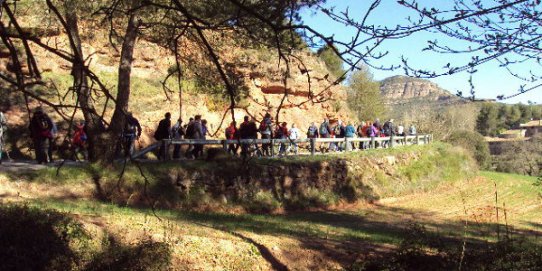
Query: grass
[{"x": 432, "y": 193}]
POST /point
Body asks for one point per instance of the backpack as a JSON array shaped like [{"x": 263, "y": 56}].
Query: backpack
[
  {"x": 229, "y": 133},
  {"x": 263, "y": 126},
  {"x": 280, "y": 133},
  {"x": 43, "y": 123},
  {"x": 311, "y": 132},
  {"x": 323, "y": 129},
  {"x": 190, "y": 130}
]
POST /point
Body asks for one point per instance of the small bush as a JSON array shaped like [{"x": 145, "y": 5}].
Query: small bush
[
  {"x": 146, "y": 256},
  {"x": 263, "y": 202},
  {"x": 423, "y": 250},
  {"x": 522, "y": 157},
  {"x": 33, "y": 239},
  {"x": 474, "y": 143}
]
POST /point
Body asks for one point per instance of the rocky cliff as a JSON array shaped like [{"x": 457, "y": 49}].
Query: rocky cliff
[{"x": 401, "y": 89}]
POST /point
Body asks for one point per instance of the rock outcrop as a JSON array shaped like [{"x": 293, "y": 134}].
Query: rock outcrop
[{"x": 399, "y": 89}]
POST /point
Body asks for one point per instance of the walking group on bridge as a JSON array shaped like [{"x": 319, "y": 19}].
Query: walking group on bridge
[{"x": 268, "y": 129}]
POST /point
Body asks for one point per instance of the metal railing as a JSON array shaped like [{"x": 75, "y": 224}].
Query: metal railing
[{"x": 311, "y": 144}]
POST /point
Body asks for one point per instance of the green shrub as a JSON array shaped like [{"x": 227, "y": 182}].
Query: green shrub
[
  {"x": 146, "y": 256},
  {"x": 263, "y": 202},
  {"x": 521, "y": 157},
  {"x": 33, "y": 239},
  {"x": 474, "y": 143}
]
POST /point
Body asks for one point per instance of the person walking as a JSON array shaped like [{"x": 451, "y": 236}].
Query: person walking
[
  {"x": 388, "y": 131},
  {"x": 189, "y": 135},
  {"x": 131, "y": 132},
  {"x": 312, "y": 133},
  {"x": 40, "y": 131},
  {"x": 163, "y": 132},
  {"x": 293, "y": 135},
  {"x": 266, "y": 130},
  {"x": 282, "y": 133},
  {"x": 79, "y": 141},
  {"x": 197, "y": 135},
  {"x": 325, "y": 132},
  {"x": 177, "y": 133},
  {"x": 3, "y": 128},
  {"x": 247, "y": 131},
  {"x": 350, "y": 132},
  {"x": 232, "y": 134}
]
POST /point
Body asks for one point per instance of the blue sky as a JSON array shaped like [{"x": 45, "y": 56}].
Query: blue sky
[{"x": 490, "y": 80}]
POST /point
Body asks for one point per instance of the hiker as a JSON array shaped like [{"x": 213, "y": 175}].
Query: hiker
[
  {"x": 163, "y": 132},
  {"x": 197, "y": 134},
  {"x": 282, "y": 133},
  {"x": 350, "y": 132},
  {"x": 177, "y": 133},
  {"x": 3, "y": 128},
  {"x": 266, "y": 130},
  {"x": 204, "y": 131},
  {"x": 388, "y": 132},
  {"x": 312, "y": 133},
  {"x": 40, "y": 131},
  {"x": 324, "y": 132},
  {"x": 247, "y": 130},
  {"x": 293, "y": 135},
  {"x": 361, "y": 133},
  {"x": 400, "y": 131},
  {"x": 188, "y": 135},
  {"x": 340, "y": 131},
  {"x": 374, "y": 132},
  {"x": 52, "y": 140},
  {"x": 366, "y": 131},
  {"x": 412, "y": 130},
  {"x": 232, "y": 134},
  {"x": 79, "y": 141},
  {"x": 130, "y": 133}
]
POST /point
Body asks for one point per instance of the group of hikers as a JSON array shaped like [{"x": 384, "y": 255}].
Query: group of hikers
[
  {"x": 43, "y": 132},
  {"x": 196, "y": 128}
]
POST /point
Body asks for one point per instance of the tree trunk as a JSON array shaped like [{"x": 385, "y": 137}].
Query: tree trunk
[
  {"x": 125, "y": 70},
  {"x": 93, "y": 123}
]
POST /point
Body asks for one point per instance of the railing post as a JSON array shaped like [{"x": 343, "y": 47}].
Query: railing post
[
  {"x": 392, "y": 141},
  {"x": 272, "y": 147},
  {"x": 405, "y": 142},
  {"x": 417, "y": 139},
  {"x": 372, "y": 145},
  {"x": 347, "y": 143},
  {"x": 166, "y": 143},
  {"x": 313, "y": 146}
]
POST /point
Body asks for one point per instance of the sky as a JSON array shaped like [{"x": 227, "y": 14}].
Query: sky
[{"x": 489, "y": 82}]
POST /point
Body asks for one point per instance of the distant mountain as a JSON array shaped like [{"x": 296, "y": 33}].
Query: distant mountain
[{"x": 403, "y": 89}]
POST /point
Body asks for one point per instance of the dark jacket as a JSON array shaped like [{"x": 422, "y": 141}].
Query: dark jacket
[
  {"x": 197, "y": 133},
  {"x": 132, "y": 126},
  {"x": 163, "y": 130},
  {"x": 41, "y": 126},
  {"x": 248, "y": 130}
]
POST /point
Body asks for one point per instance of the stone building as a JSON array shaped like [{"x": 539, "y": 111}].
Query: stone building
[{"x": 532, "y": 127}]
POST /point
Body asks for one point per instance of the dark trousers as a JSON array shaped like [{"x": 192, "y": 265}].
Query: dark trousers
[
  {"x": 41, "y": 148},
  {"x": 267, "y": 146},
  {"x": 162, "y": 151},
  {"x": 197, "y": 150},
  {"x": 232, "y": 149},
  {"x": 176, "y": 151}
]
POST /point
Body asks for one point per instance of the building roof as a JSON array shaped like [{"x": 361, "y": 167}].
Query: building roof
[{"x": 532, "y": 123}]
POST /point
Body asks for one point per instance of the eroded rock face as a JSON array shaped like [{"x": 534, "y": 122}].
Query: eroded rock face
[{"x": 401, "y": 88}]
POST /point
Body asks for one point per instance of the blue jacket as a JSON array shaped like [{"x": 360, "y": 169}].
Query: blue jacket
[{"x": 350, "y": 131}]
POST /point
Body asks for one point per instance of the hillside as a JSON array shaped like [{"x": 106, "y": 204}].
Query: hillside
[{"x": 307, "y": 95}]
